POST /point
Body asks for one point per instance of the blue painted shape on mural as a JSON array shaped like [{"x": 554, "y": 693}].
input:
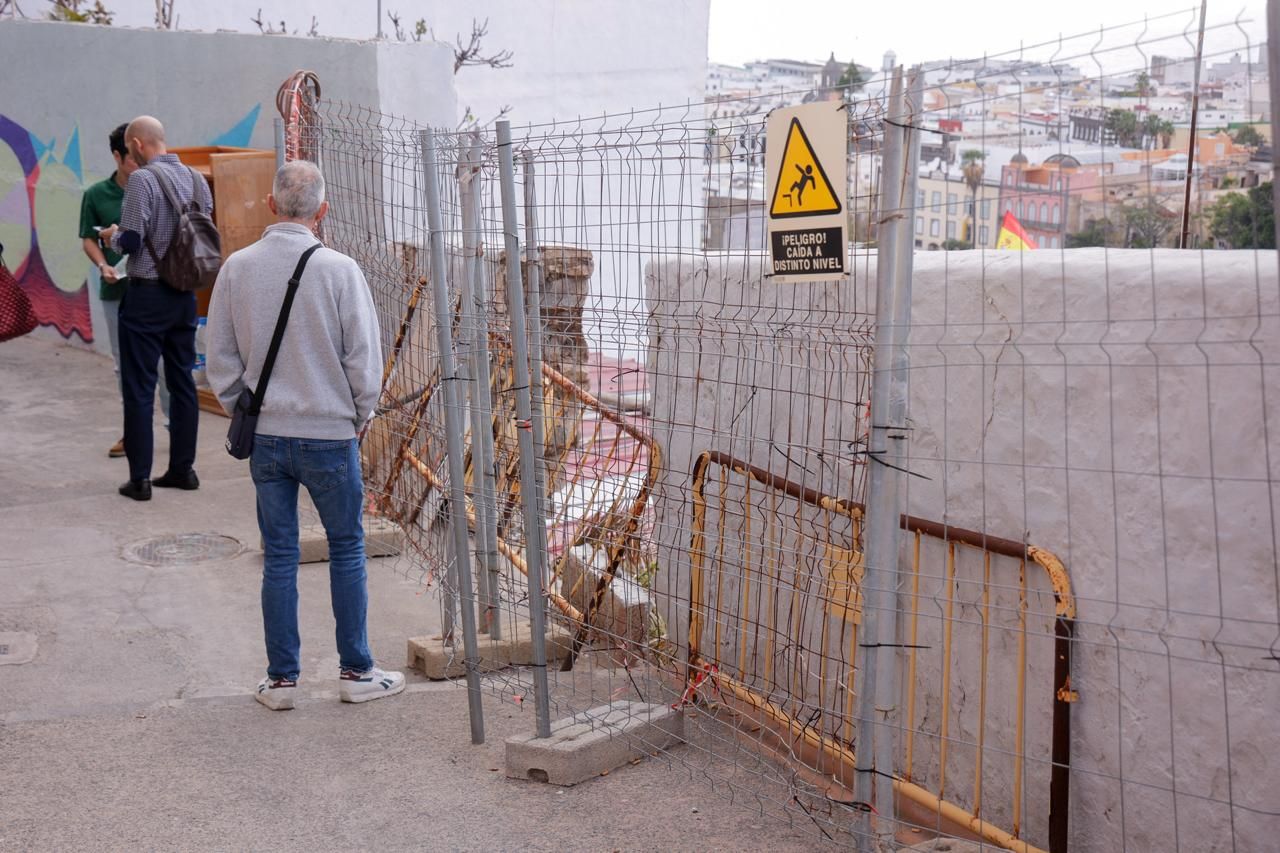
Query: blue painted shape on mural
[
  {"x": 240, "y": 135},
  {"x": 39, "y": 146},
  {"x": 71, "y": 158}
]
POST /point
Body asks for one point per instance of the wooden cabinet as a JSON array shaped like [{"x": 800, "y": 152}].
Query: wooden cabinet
[{"x": 240, "y": 179}]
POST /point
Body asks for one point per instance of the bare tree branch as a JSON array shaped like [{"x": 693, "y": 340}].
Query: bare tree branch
[
  {"x": 267, "y": 28},
  {"x": 394, "y": 17},
  {"x": 471, "y": 54},
  {"x": 470, "y": 122}
]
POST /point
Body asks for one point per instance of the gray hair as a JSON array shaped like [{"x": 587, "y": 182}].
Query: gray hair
[{"x": 298, "y": 189}]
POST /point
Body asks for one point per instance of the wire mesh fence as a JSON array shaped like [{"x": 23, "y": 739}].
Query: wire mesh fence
[{"x": 668, "y": 451}]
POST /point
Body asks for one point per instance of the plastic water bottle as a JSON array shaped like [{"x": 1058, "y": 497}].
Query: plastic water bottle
[{"x": 198, "y": 373}]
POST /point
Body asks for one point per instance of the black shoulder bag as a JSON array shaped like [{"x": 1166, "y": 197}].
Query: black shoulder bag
[{"x": 244, "y": 418}]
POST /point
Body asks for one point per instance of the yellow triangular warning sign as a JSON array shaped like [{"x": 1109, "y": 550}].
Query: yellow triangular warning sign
[{"x": 803, "y": 188}]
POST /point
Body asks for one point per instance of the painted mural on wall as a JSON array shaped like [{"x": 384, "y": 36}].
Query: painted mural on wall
[
  {"x": 40, "y": 192},
  {"x": 39, "y": 189}
]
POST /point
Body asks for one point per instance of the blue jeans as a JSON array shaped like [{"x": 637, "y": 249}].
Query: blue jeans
[{"x": 330, "y": 470}]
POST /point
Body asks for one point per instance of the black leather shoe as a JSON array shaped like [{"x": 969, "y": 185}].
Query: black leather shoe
[
  {"x": 187, "y": 482},
  {"x": 139, "y": 490}
]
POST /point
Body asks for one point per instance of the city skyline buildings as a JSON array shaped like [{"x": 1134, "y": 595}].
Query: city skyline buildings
[{"x": 810, "y": 30}]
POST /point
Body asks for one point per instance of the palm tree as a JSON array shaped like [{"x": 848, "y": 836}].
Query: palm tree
[
  {"x": 1156, "y": 132},
  {"x": 1144, "y": 88},
  {"x": 972, "y": 168},
  {"x": 1123, "y": 127}
]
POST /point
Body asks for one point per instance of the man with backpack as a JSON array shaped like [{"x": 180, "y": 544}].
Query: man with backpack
[
  {"x": 99, "y": 209},
  {"x": 166, "y": 230}
]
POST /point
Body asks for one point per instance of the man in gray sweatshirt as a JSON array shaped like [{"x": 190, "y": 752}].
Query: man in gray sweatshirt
[{"x": 322, "y": 390}]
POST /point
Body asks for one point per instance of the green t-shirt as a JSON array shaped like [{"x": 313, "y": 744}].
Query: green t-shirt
[{"x": 101, "y": 207}]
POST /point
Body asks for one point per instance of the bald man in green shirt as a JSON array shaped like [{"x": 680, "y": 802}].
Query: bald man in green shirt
[{"x": 100, "y": 208}]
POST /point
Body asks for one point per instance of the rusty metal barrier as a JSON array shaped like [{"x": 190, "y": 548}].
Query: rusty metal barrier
[{"x": 800, "y": 569}]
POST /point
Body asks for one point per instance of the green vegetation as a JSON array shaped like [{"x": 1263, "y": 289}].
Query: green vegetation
[
  {"x": 1245, "y": 220},
  {"x": 1123, "y": 127},
  {"x": 1156, "y": 132},
  {"x": 1148, "y": 226},
  {"x": 77, "y": 11},
  {"x": 852, "y": 78},
  {"x": 1097, "y": 232},
  {"x": 1145, "y": 225},
  {"x": 971, "y": 165},
  {"x": 1248, "y": 135}
]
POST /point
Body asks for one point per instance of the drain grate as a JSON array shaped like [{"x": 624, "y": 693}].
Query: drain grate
[{"x": 180, "y": 549}]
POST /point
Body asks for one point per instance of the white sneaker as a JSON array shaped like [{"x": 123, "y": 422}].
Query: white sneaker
[
  {"x": 365, "y": 686},
  {"x": 276, "y": 693}
]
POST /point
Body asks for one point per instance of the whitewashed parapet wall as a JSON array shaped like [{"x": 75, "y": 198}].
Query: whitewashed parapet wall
[
  {"x": 1106, "y": 405},
  {"x": 570, "y": 59}
]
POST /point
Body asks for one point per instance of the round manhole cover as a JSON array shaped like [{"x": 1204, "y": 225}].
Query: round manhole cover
[{"x": 180, "y": 549}]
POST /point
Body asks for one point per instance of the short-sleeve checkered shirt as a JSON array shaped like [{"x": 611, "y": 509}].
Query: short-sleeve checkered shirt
[{"x": 147, "y": 212}]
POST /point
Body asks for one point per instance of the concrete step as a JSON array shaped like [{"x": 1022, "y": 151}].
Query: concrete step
[
  {"x": 593, "y": 742},
  {"x": 431, "y": 657}
]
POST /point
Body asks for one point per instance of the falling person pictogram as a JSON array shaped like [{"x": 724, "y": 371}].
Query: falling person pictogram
[{"x": 806, "y": 177}]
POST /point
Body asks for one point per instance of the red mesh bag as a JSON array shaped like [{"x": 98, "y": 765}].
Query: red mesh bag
[{"x": 17, "y": 317}]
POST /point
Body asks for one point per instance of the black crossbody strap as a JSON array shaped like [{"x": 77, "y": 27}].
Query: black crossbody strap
[{"x": 278, "y": 335}]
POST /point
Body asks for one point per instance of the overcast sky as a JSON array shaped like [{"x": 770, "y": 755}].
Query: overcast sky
[{"x": 921, "y": 30}]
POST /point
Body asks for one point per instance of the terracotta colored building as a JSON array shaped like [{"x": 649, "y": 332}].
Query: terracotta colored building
[{"x": 1045, "y": 198}]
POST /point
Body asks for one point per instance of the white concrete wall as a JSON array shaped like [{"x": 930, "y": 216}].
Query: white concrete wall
[
  {"x": 1106, "y": 405},
  {"x": 205, "y": 87},
  {"x": 414, "y": 81},
  {"x": 572, "y": 58},
  {"x": 576, "y": 59}
]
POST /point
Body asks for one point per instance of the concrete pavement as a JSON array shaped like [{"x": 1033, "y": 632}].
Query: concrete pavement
[{"x": 134, "y": 726}]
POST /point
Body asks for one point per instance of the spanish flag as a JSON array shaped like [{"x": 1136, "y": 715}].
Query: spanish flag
[{"x": 1012, "y": 236}]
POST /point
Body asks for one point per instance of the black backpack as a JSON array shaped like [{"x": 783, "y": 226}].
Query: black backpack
[{"x": 194, "y": 255}]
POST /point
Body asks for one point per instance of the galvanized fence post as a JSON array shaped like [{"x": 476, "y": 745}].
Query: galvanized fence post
[
  {"x": 449, "y": 593},
  {"x": 453, "y": 433},
  {"x": 279, "y": 140},
  {"x": 475, "y": 319},
  {"x": 533, "y": 520},
  {"x": 533, "y": 269},
  {"x": 466, "y": 355},
  {"x": 878, "y": 653},
  {"x": 1273, "y": 84}
]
